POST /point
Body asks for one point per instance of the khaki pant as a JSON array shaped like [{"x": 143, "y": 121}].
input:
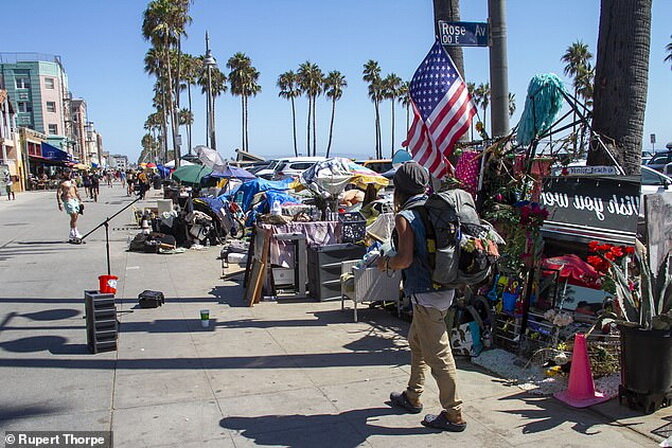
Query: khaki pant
[{"x": 430, "y": 350}]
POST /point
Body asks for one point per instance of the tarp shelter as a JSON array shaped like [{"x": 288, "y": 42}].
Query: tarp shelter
[
  {"x": 250, "y": 188},
  {"x": 171, "y": 164},
  {"x": 329, "y": 177}
]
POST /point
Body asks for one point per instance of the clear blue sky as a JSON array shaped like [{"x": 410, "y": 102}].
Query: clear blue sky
[{"x": 102, "y": 50}]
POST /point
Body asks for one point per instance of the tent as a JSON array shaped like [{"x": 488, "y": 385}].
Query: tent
[
  {"x": 250, "y": 188},
  {"x": 171, "y": 164}
]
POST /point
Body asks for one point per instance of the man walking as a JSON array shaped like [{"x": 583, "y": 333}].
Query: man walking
[
  {"x": 8, "y": 186},
  {"x": 69, "y": 200},
  {"x": 427, "y": 337}
]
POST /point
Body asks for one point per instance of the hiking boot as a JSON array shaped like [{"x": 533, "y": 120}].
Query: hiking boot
[
  {"x": 401, "y": 400},
  {"x": 444, "y": 422}
]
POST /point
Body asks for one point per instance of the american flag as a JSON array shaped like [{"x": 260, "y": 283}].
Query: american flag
[{"x": 442, "y": 110}]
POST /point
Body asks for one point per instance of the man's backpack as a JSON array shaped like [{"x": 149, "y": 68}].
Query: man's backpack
[{"x": 462, "y": 247}]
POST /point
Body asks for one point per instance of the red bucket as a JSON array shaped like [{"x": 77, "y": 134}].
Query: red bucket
[{"x": 108, "y": 284}]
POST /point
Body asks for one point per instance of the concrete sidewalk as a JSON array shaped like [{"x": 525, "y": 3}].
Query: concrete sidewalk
[{"x": 278, "y": 374}]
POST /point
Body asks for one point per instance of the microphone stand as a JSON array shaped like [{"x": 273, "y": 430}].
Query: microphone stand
[{"x": 106, "y": 224}]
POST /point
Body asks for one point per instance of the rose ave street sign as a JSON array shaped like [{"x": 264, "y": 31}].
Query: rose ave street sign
[{"x": 463, "y": 34}]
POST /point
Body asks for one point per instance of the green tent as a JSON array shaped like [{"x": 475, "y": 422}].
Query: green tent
[{"x": 191, "y": 174}]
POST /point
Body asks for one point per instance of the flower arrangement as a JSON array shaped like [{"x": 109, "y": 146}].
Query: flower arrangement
[{"x": 605, "y": 256}]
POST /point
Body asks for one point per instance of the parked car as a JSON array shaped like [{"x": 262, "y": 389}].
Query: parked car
[
  {"x": 659, "y": 161},
  {"x": 294, "y": 166},
  {"x": 377, "y": 165},
  {"x": 256, "y": 167},
  {"x": 653, "y": 182},
  {"x": 268, "y": 171}
]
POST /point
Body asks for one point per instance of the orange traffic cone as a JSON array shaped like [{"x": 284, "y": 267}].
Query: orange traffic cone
[{"x": 581, "y": 391}]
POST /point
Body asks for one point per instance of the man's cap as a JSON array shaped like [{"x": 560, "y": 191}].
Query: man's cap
[{"x": 411, "y": 178}]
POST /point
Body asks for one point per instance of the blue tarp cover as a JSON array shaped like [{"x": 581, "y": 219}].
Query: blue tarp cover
[{"x": 252, "y": 187}]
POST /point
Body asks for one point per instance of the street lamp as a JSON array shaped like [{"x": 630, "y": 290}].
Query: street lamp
[{"x": 209, "y": 62}]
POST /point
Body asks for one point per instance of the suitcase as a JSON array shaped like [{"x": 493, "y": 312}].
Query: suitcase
[{"x": 151, "y": 299}]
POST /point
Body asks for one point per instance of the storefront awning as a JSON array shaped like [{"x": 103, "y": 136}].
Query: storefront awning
[{"x": 50, "y": 152}]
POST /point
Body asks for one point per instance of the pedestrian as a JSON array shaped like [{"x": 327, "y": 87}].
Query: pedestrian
[
  {"x": 130, "y": 180},
  {"x": 95, "y": 186},
  {"x": 122, "y": 178},
  {"x": 86, "y": 181},
  {"x": 427, "y": 337},
  {"x": 143, "y": 183},
  {"x": 8, "y": 187},
  {"x": 68, "y": 199},
  {"x": 108, "y": 178}
]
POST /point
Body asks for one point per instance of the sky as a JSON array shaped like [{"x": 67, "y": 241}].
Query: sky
[{"x": 102, "y": 49}]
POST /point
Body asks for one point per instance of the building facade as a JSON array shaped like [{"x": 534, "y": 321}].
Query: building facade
[
  {"x": 10, "y": 149},
  {"x": 38, "y": 86},
  {"x": 80, "y": 125},
  {"x": 118, "y": 161}
]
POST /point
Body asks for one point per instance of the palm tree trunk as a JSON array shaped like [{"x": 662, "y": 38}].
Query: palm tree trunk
[
  {"x": 392, "y": 150},
  {"x": 242, "y": 123},
  {"x": 173, "y": 118},
  {"x": 314, "y": 126},
  {"x": 247, "y": 123},
  {"x": 408, "y": 116},
  {"x": 331, "y": 125},
  {"x": 191, "y": 114},
  {"x": 296, "y": 149},
  {"x": 621, "y": 81},
  {"x": 308, "y": 127},
  {"x": 375, "y": 126},
  {"x": 379, "y": 134}
]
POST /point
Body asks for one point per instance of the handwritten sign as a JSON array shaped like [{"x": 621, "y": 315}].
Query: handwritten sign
[
  {"x": 591, "y": 208},
  {"x": 658, "y": 212}
]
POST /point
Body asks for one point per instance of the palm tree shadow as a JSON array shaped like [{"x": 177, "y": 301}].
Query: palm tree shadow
[{"x": 350, "y": 428}]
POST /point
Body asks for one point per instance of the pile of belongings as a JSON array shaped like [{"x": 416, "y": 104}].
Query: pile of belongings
[
  {"x": 152, "y": 242},
  {"x": 329, "y": 177}
]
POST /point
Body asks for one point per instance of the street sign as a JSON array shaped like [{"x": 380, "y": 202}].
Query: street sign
[
  {"x": 463, "y": 34},
  {"x": 653, "y": 139}
]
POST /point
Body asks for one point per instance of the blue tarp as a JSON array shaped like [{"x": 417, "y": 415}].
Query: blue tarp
[
  {"x": 252, "y": 187},
  {"x": 53, "y": 153},
  {"x": 164, "y": 171}
]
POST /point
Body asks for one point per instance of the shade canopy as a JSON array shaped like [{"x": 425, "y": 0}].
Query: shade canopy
[
  {"x": 191, "y": 174},
  {"x": 233, "y": 172},
  {"x": 210, "y": 158}
]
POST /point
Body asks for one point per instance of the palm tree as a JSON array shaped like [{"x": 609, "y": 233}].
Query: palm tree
[
  {"x": 404, "y": 99},
  {"x": 621, "y": 81},
  {"x": 192, "y": 67},
  {"x": 288, "y": 83},
  {"x": 334, "y": 84},
  {"x": 512, "y": 104},
  {"x": 311, "y": 81},
  {"x": 244, "y": 83},
  {"x": 217, "y": 84},
  {"x": 668, "y": 49},
  {"x": 483, "y": 94},
  {"x": 164, "y": 23},
  {"x": 371, "y": 74},
  {"x": 577, "y": 65},
  {"x": 390, "y": 92}
]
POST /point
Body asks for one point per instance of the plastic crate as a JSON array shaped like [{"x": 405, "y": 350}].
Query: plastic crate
[{"x": 353, "y": 227}]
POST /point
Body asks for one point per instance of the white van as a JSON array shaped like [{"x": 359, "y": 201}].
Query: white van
[{"x": 294, "y": 166}]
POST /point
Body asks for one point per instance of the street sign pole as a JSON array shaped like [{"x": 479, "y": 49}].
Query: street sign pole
[
  {"x": 449, "y": 11},
  {"x": 499, "y": 82}
]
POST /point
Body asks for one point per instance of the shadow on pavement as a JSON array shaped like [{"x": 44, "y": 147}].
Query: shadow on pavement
[
  {"x": 8, "y": 412},
  {"x": 347, "y": 429},
  {"x": 546, "y": 413}
]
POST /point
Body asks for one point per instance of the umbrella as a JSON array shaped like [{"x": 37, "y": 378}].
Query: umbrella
[
  {"x": 233, "y": 172},
  {"x": 171, "y": 164},
  {"x": 81, "y": 166},
  {"x": 571, "y": 267},
  {"x": 191, "y": 174},
  {"x": 210, "y": 158},
  {"x": 151, "y": 165}
]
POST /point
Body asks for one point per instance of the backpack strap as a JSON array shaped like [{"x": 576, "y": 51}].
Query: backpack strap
[{"x": 430, "y": 234}]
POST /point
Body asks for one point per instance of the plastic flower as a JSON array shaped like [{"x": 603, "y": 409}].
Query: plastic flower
[{"x": 592, "y": 246}]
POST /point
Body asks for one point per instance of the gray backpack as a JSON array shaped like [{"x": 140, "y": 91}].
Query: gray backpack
[{"x": 462, "y": 247}]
